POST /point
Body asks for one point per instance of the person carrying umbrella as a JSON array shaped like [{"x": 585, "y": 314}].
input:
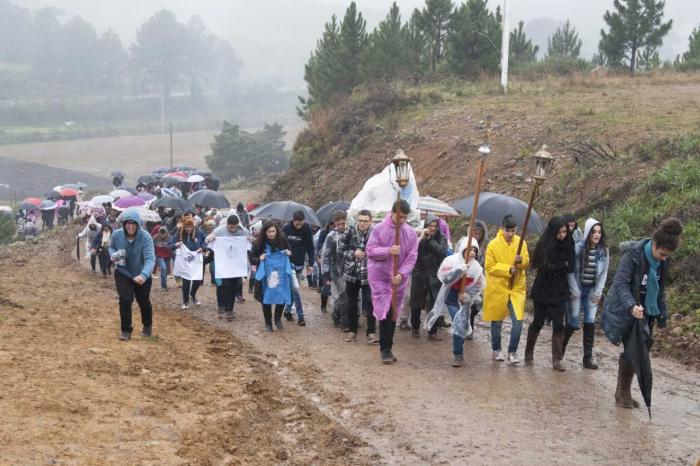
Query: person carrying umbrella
[
  {"x": 131, "y": 249},
  {"x": 500, "y": 299},
  {"x": 380, "y": 271},
  {"x": 638, "y": 292},
  {"x": 586, "y": 285},
  {"x": 301, "y": 243},
  {"x": 553, "y": 259}
]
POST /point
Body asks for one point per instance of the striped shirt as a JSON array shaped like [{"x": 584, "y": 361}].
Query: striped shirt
[{"x": 588, "y": 275}]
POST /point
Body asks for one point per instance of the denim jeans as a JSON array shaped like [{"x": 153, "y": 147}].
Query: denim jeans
[
  {"x": 517, "y": 328},
  {"x": 162, "y": 264},
  {"x": 299, "y": 270},
  {"x": 453, "y": 306},
  {"x": 589, "y": 307}
]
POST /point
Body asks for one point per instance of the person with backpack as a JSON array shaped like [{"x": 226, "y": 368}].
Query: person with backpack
[
  {"x": 586, "y": 286},
  {"x": 638, "y": 292}
]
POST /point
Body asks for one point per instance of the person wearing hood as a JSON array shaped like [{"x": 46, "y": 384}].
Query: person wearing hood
[
  {"x": 638, "y": 292},
  {"x": 481, "y": 235},
  {"x": 500, "y": 300},
  {"x": 100, "y": 246},
  {"x": 243, "y": 215},
  {"x": 553, "y": 259},
  {"x": 131, "y": 249},
  {"x": 572, "y": 223},
  {"x": 586, "y": 286},
  {"x": 332, "y": 269},
  {"x": 432, "y": 249},
  {"x": 381, "y": 252},
  {"x": 89, "y": 233},
  {"x": 324, "y": 284},
  {"x": 188, "y": 236},
  {"x": 230, "y": 288},
  {"x": 164, "y": 254}
]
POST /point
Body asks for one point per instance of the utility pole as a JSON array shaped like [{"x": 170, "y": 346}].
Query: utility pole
[
  {"x": 171, "y": 144},
  {"x": 505, "y": 45}
]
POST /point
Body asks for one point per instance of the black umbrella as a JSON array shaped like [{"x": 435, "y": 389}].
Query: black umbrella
[
  {"x": 184, "y": 168},
  {"x": 493, "y": 207},
  {"x": 637, "y": 352},
  {"x": 170, "y": 181},
  {"x": 117, "y": 174},
  {"x": 146, "y": 179},
  {"x": 162, "y": 170},
  {"x": 324, "y": 213},
  {"x": 284, "y": 210},
  {"x": 53, "y": 195},
  {"x": 172, "y": 203},
  {"x": 207, "y": 198}
]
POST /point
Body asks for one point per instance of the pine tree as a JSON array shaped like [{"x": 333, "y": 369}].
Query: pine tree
[
  {"x": 433, "y": 22},
  {"x": 564, "y": 43},
  {"x": 691, "y": 58},
  {"x": 418, "y": 54},
  {"x": 475, "y": 39},
  {"x": 521, "y": 48},
  {"x": 648, "y": 59},
  {"x": 388, "y": 54},
  {"x": 634, "y": 26},
  {"x": 354, "y": 42},
  {"x": 322, "y": 71}
]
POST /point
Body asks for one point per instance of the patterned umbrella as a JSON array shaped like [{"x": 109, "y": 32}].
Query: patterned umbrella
[
  {"x": 120, "y": 193},
  {"x": 48, "y": 205},
  {"x": 103, "y": 199},
  {"x": 146, "y": 215},
  {"x": 127, "y": 202},
  {"x": 167, "y": 192}
]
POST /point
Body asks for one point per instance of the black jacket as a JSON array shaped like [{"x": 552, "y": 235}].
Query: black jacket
[
  {"x": 551, "y": 285},
  {"x": 431, "y": 253},
  {"x": 301, "y": 243},
  {"x": 629, "y": 289}
]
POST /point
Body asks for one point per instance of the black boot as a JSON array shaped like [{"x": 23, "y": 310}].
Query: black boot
[
  {"x": 557, "y": 343},
  {"x": 568, "y": 331},
  {"x": 588, "y": 337},
  {"x": 623, "y": 393},
  {"x": 532, "y": 335},
  {"x": 324, "y": 303}
]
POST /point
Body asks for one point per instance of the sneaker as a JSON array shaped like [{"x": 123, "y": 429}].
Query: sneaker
[
  {"x": 513, "y": 359},
  {"x": 459, "y": 360},
  {"x": 288, "y": 316},
  {"x": 185, "y": 306},
  {"x": 220, "y": 312},
  {"x": 268, "y": 328},
  {"x": 498, "y": 356},
  {"x": 125, "y": 336},
  {"x": 351, "y": 338},
  {"x": 147, "y": 331},
  {"x": 372, "y": 339},
  {"x": 196, "y": 302},
  {"x": 278, "y": 324},
  {"x": 415, "y": 333},
  {"x": 403, "y": 325},
  {"x": 229, "y": 316},
  {"x": 434, "y": 337},
  {"x": 386, "y": 357},
  {"x": 302, "y": 322},
  {"x": 470, "y": 333}
]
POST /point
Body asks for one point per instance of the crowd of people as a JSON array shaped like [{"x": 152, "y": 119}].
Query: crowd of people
[{"x": 351, "y": 264}]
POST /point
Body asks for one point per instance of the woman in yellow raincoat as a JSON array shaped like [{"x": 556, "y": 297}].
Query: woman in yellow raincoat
[{"x": 502, "y": 263}]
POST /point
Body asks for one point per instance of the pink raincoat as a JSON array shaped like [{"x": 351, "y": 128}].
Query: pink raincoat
[{"x": 380, "y": 264}]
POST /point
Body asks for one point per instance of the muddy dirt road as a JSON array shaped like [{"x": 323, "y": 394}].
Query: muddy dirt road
[{"x": 206, "y": 391}]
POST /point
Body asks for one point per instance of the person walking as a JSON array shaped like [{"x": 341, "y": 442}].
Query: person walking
[
  {"x": 131, "y": 249},
  {"x": 301, "y": 243},
  {"x": 100, "y": 246},
  {"x": 164, "y": 254},
  {"x": 381, "y": 252},
  {"x": 481, "y": 235},
  {"x": 425, "y": 285},
  {"x": 332, "y": 270},
  {"x": 353, "y": 247},
  {"x": 554, "y": 260},
  {"x": 270, "y": 255},
  {"x": 638, "y": 292},
  {"x": 193, "y": 240},
  {"x": 500, "y": 300},
  {"x": 324, "y": 284},
  {"x": 89, "y": 233},
  {"x": 243, "y": 215},
  {"x": 586, "y": 286}
]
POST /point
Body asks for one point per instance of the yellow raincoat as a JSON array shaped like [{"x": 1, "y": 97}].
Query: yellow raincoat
[{"x": 500, "y": 256}]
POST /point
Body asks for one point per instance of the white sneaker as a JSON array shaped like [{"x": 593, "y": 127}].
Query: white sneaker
[
  {"x": 196, "y": 302},
  {"x": 498, "y": 356},
  {"x": 185, "y": 307},
  {"x": 513, "y": 359}
]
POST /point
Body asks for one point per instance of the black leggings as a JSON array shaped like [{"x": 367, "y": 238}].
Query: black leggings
[
  {"x": 230, "y": 288},
  {"x": 555, "y": 312},
  {"x": 189, "y": 288},
  {"x": 267, "y": 312},
  {"x": 105, "y": 263},
  {"x": 386, "y": 332},
  {"x": 127, "y": 290}
]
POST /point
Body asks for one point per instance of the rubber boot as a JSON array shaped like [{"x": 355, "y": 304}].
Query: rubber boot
[
  {"x": 623, "y": 393},
  {"x": 588, "y": 337},
  {"x": 532, "y": 335},
  {"x": 324, "y": 304},
  {"x": 568, "y": 331},
  {"x": 557, "y": 344}
]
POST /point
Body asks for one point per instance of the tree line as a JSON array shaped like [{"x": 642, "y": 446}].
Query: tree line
[
  {"x": 71, "y": 54},
  {"x": 465, "y": 40}
]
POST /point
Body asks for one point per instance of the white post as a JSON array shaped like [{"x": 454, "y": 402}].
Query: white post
[{"x": 505, "y": 46}]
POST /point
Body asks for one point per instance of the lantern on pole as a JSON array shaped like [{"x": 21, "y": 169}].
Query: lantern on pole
[
  {"x": 543, "y": 161},
  {"x": 402, "y": 167}
]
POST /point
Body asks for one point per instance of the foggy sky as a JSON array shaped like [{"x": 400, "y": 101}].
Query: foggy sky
[{"x": 275, "y": 37}]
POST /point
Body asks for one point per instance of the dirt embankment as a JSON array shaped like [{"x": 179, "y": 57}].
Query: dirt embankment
[{"x": 71, "y": 393}]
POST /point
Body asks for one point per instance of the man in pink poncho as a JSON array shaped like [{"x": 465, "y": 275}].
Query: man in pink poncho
[{"x": 380, "y": 271}]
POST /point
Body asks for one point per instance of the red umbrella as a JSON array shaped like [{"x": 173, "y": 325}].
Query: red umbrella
[
  {"x": 180, "y": 175},
  {"x": 33, "y": 200},
  {"x": 68, "y": 192}
]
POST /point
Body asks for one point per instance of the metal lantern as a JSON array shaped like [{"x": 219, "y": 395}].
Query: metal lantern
[
  {"x": 401, "y": 164},
  {"x": 543, "y": 161}
]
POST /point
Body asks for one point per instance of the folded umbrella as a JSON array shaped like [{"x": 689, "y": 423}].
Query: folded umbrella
[
  {"x": 284, "y": 211},
  {"x": 637, "y": 352},
  {"x": 209, "y": 199},
  {"x": 494, "y": 206},
  {"x": 325, "y": 213}
]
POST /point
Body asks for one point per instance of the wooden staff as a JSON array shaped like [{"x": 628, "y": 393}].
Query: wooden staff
[
  {"x": 397, "y": 242},
  {"x": 533, "y": 195}
]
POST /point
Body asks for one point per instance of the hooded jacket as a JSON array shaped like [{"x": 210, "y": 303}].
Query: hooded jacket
[
  {"x": 431, "y": 252},
  {"x": 222, "y": 231},
  {"x": 301, "y": 243},
  {"x": 483, "y": 244},
  {"x": 140, "y": 254},
  {"x": 551, "y": 285},
  {"x": 500, "y": 256},
  {"x": 602, "y": 256}
]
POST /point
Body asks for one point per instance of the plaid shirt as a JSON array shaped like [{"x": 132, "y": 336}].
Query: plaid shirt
[{"x": 355, "y": 270}]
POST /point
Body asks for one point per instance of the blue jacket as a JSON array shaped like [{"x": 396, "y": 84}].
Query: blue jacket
[
  {"x": 627, "y": 290},
  {"x": 140, "y": 253}
]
